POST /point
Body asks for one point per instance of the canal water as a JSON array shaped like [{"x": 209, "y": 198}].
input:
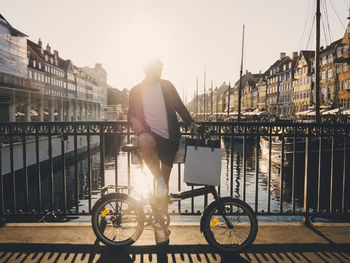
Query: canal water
[{"x": 231, "y": 181}]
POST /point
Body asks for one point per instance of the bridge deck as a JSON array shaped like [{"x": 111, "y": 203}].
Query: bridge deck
[{"x": 75, "y": 242}]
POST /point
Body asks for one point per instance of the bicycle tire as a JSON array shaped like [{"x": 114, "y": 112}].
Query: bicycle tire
[
  {"x": 216, "y": 230},
  {"x": 109, "y": 212}
]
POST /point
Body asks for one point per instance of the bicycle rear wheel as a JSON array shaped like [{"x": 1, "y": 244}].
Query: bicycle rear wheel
[
  {"x": 117, "y": 220},
  {"x": 229, "y": 224}
]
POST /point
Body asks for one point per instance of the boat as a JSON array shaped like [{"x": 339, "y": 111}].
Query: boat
[{"x": 276, "y": 150}]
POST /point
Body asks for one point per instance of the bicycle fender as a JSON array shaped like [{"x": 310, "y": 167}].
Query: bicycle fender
[{"x": 214, "y": 203}]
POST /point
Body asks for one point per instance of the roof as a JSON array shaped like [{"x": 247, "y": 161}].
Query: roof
[
  {"x": 13, "y": 31},
  {"x": 331, "y": 46},
  {"x": 308, "y": 54},
  {"x": 63, "y": 64}
]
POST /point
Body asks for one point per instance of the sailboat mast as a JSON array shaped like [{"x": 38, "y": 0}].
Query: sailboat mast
[
  {"x": 211, "y": 98},
  {"x": 317, "y": 62},
  {"x": 204, "y": 99},
  {"x": 240, "y": 80},
  {"x": 217, "y": 102},
  {"x": 228, "y": 99},
  {"x": 197, "y": 99}
]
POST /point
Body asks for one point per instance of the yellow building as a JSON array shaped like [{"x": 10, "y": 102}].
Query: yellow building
[
  {"x": 302, "y": 83},
  {"x": 342, "y": 68},
  {"x": 261, "y": 86}
]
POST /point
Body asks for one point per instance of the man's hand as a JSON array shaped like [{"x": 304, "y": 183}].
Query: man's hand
[
  {"x": 136, "y": 126},
  {"x": 194, "y": 127}
]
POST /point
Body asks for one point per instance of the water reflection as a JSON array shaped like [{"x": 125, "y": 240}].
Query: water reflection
[{"x": 231, "y": 181}]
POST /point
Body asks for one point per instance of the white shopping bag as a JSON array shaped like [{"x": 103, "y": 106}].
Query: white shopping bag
[{"x": 202, "y": 165}]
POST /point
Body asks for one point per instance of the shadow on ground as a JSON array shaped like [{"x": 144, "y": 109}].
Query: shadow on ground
[{"x": 14, "y": 252}]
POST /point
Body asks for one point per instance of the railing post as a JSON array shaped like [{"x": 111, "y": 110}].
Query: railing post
[
  {"x": 2, "y": 196},
  {"x": 116, "y": 137},
  {"x": 306, "y": 219}
]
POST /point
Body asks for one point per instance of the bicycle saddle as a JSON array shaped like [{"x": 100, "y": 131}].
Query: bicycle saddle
[{"x": 129, "y": 148}]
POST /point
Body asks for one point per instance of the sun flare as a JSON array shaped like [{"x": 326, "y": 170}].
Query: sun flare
[{"x": 143, "y": 182}]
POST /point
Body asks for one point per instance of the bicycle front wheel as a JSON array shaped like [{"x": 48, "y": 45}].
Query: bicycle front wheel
[
  {"x": 229, "y": 224},
  {"x": 117, "y": 220}
]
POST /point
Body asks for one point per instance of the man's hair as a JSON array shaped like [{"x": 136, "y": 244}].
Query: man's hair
[{"x": 155, "y": 63}]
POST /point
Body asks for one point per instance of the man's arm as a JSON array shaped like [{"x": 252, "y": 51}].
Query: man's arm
[
  {"x": 181, "y": 108},
  {"x": 135, "y": 123}
]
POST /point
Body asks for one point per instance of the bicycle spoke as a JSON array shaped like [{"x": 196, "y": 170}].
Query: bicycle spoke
[
  {"x": 118, "y": 221},
  {"x": 229, "y": 227}
]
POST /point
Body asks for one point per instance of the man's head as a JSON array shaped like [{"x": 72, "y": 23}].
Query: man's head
[{"x": 153, "y": 69}]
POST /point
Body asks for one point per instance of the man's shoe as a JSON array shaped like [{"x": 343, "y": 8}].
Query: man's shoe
[{"x": 161, "y": 234}]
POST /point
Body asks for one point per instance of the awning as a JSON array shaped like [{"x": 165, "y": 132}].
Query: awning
[
  {"x": 303, "y": 113},
  {"x": 332, "y": 112}
]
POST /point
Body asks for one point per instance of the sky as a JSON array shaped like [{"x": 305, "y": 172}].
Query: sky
[{"x": 189, "y": 36}]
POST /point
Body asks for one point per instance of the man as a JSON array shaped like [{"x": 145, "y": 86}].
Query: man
[{"x": 153, "y": 105}]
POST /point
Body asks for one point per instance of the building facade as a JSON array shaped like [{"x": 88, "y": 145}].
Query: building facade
[
  {"x": 261, "y": 89},
  {"x": 328, "y": 75},
  {"x": 302, "y": 83},
  {"x": 342, "y": 63}
]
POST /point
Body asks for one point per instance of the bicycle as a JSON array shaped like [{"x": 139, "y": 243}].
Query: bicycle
[{"x": 118, "y": 220}]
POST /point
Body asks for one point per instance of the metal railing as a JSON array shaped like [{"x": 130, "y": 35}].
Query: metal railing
[{"x": 312, "y": 161}]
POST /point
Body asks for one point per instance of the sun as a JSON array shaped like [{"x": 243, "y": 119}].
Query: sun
[{"x": 140, "y": 42}]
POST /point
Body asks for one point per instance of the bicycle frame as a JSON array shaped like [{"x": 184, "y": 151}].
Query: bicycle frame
[{"x": 208, "y": 189}]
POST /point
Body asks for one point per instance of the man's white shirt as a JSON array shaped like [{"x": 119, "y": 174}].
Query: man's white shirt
[{"x": 154, "y": 110}]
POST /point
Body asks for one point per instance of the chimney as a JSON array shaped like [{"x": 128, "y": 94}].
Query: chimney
[
  {"x": 294, "y": 55},
  {"x": 40, "y": 43},
  {"x": 48, "y": 48},
  {"x": 56, "y": 54},
  {"x": 282, "y": 55}
]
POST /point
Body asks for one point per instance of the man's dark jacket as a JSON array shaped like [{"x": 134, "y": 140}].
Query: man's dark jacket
[{"x": 173, "y": 105}]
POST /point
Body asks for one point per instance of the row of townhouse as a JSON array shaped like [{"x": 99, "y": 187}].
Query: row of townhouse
[
  {"x": 287, "y": 87},
  {"x": 48, "y": 87}
]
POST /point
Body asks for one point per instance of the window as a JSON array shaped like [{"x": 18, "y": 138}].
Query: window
[
  {"x": 323, "y": 75},
  {"x": 345, "y": 49},
  {"x": 46, "y": 58},
  {"x": 338, "y": 68},
  {"x": 330, "y": 58},
  {"x": 330, "y": 73},
  {"x": 39, "y": 65},
  {"x": 346, "y": 84},
  {"x": 345, "y": 67},
  {"x": 30, "y": 74},
  {"x": 34, "y": 63},
  {"x": 324, "y": 60},
  {"x": 338, "y": 52}
]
